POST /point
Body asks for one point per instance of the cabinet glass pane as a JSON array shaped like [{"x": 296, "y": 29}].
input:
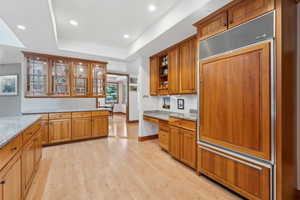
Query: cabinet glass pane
[
  {"x": 60, "y": 78},
  {"x": 80, "y": 76},
  {"x": 37, "y": 77},
  {"x": 98, "y": 80}
]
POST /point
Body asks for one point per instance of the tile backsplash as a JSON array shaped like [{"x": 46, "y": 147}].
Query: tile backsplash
[{"x": 190, "y": 102}]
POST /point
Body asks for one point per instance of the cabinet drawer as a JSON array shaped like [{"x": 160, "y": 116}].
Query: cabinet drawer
[
  {"x": 100, "y": 113},
  {"x": 9, "y": 150},
  {"x": 163, "y": 126},
  {"x": 186, "y": 124},
  {"x": 59, "y": 115},
  {"x": 28, "y": 133},
  {"x": 81, "y": 114},
  {"x": 164, "y": 140},
  {"x": 246, "y": 178},
  {"x": 152, "y": 120}
]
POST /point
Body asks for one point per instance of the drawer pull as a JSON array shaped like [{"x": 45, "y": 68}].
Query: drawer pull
[{"x": 2, "y": 182}]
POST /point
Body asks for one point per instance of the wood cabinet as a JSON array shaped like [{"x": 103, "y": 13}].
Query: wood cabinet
[
  {"x": 212, "y": 25},
  {"x": 56, "y": 76},
  {"x": 28, "y": 165},
  {"x": 249, "y": 179},
  {"x": 38, "y": 148},
  {"x": 178, "y": 76},
  {"x": 175, "y": 142},
  {"x": 174, "y": 72},
  {"x": 154, "y": 76},
  {"x": 60, "y": 77},
  {"x": 100, "y": 126},
  {"x": 246, "y": 10},
  {"x": 235, "y": 101},
  {"x": 188, "y": 145},
  {"x": 10, "y": 181},
  {"x": 182, "y": 142},
  {"x": 59, "y": 130},
  {"x": 163, "y": 135},
  {"x": 233, "y": 14},
  {"x": 81, "y": 128},
  {"x": 98, "y": 79},
  {"x": 45, "y": 131},
  {"x": 187, "y": 66}
]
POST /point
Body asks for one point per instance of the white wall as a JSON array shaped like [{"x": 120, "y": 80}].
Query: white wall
[
  {"x": 133, "y": 70},
  {"x": 11, "y": 105},
  {"x": 190, "y": 102}
]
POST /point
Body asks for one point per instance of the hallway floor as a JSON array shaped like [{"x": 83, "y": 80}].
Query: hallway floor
[{"x": 118, "y": 127}]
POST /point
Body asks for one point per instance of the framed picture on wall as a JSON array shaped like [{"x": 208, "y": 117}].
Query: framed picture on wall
[
  {"x": 9, "y": 85},
  {"x": 180, "y": 104}
]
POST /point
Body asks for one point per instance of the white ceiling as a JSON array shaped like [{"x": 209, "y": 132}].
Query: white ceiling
[
  {"x": 105, "y": 22},
  {"x": 102, "y": 24}
]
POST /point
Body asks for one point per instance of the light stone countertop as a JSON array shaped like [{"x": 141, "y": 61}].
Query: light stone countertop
[
  {"x": 61, "y": 110},
  {"x": 11, "y": 127},
  {"x": 164, "y": 115}
]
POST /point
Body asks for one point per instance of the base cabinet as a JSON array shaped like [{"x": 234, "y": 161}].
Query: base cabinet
[
  {"x": 100, "y": 126},
  {"x": 28, "y": 165},
  {"x": 183, "y": 141},
  {"x": 250, "y": 180},
  {"x": 59, "y": 130},
  {"x": 10, "y": 182},
  {"x": 81, "y": 128},
  {"x": 45, "y": 131}
]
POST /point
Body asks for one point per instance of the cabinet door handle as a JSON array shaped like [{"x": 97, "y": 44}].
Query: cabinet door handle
[{"x": 2, "y": 182}]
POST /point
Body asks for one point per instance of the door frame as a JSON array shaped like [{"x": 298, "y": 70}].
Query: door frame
[{"x": 127, "y": 105}]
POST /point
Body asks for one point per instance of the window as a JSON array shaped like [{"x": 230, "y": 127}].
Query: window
[{"x": 112, "y": 93}]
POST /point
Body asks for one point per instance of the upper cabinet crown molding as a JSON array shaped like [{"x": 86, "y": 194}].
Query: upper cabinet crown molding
[{"x": 57, "y": 76}]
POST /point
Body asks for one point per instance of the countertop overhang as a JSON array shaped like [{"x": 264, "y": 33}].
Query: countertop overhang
[{"x": 164, "y": 115}]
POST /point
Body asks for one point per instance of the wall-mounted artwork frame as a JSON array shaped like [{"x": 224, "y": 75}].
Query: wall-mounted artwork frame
[
  {"x": 180, "y": 104},
  {"x": 9, "y": 85}
]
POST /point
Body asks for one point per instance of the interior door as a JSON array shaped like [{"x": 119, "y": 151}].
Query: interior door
[{"x": 235, "y": 101}]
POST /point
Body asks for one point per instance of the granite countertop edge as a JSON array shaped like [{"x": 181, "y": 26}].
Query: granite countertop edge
[
  {"x": 164, "y": 115},
  {"x": 15, "y": 133},
  {"x": 64, "y": 110}
]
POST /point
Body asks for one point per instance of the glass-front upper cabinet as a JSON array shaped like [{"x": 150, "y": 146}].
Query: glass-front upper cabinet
[
  {"x": 98, "y": 79},
  {"x": 37, "y": 76},
  {"x": 80, "y": 79},
  {"x": 60, "y": 77}
]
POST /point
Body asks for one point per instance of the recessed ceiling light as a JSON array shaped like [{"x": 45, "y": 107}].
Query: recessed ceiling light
[
  {"x": 152, "y": 8},
  {"x": 126, "y": 36},
  {"x": 73, "y": 22},
  {"x": 21, "y": 27}
]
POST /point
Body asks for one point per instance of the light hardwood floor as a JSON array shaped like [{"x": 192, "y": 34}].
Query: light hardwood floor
[
  {"x": 118, "y": 169},
  {"x": 118, "y": 127}
]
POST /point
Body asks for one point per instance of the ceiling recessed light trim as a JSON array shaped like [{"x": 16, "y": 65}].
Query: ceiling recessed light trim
[
  {"x": 152, "y": 8},
  {"x": 126, "y": 36},
  {"x": 73, "y": 22},
  {"x": 21, "y": 27}
]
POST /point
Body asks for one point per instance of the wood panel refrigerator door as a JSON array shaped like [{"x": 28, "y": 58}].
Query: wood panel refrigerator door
[
  {"x": 235, "y": 101},
  {"x": 174, "y": 71},
  {"x": 154, "y": 76},
  {"x": 175, "y": 142},
  {"x": 188, "y": 67},
  {"x": 59, "y": 130},
  {"x": 100, "y": 126},
  {"x": 12, "y": 185},
  {"x": 81, "y": 128}
]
